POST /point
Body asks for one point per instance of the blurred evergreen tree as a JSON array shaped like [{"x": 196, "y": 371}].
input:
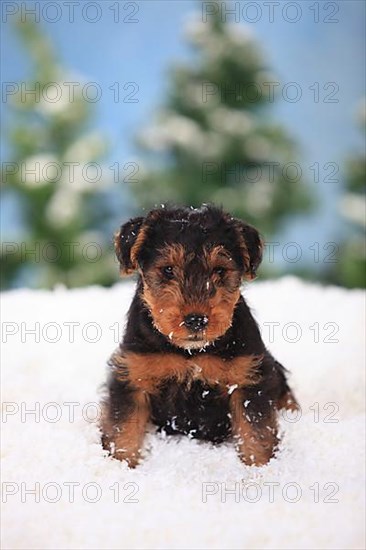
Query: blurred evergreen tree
[
  {"x": 213, "y": 142},
  {"x": 350, "y": 271},
  {"x": 62, "y": 208}
]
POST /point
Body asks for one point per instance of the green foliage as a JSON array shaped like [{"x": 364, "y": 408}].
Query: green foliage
[
  {"x": 213, "y": 141},
  {"x": 351, "y": 269},
  {"x": 61, "y": 209}
]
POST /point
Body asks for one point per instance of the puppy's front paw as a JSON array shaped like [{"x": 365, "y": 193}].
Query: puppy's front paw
[
  {"x": 131, "y": 456},
  {"x": 253, "y": 450}
]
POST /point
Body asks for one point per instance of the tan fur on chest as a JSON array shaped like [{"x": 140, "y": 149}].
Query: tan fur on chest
[{"x": 148, "y": 371}]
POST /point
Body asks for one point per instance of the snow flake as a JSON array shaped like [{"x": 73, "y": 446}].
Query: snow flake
[{"x": 231, "y": 388}]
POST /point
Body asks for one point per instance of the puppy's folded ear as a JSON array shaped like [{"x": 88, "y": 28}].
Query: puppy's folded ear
[
  {"x": 252, "y": 248},
  {"x": 127, "y": 243}
]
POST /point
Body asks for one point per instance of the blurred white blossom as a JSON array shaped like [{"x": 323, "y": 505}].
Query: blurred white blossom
[{"x": 39, "y": 170}]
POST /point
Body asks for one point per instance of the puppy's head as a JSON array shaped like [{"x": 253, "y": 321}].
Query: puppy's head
[{"x": 192, "y": 262}]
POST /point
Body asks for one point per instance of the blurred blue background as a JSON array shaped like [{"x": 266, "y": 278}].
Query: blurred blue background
[{"x": 142, "y": 52}]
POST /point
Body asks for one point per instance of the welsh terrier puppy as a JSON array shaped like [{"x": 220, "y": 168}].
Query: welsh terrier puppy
[{"x": 192, "y": 360}]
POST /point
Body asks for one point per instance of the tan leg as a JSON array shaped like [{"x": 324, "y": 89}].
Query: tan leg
[
  {"x": 124, "y": 438},
  {"x": 255, "y": 441}
]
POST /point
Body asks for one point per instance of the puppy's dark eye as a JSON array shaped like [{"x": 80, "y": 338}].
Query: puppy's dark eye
[
  {"x": 168, "y": 272},
  {"x": 219, "y": 271}
]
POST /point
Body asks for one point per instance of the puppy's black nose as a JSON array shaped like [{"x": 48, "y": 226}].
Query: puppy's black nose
[{"x": 195, "y": 322}]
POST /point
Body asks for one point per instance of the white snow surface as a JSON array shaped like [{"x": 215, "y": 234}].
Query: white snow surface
[{"x": 310, "y": 496}]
